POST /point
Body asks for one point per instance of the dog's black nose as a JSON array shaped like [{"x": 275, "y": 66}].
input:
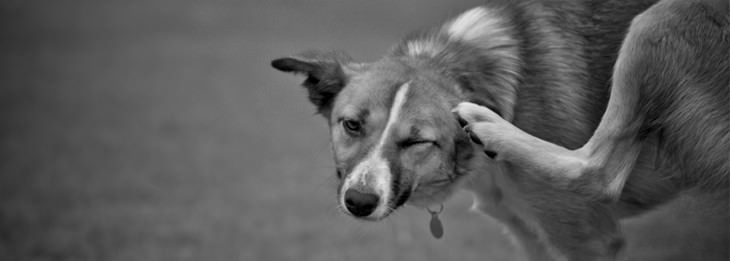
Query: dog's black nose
[{"x": 360, "y": 204}]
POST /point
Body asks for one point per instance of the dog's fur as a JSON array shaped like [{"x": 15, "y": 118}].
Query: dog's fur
[{"x": 542, "y": 71}]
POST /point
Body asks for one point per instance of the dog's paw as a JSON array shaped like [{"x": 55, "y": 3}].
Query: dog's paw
[
  {"x": 479, "y": 123},
  {"x": 477, "y": 139},
  {"x": 470, "y": 113}
]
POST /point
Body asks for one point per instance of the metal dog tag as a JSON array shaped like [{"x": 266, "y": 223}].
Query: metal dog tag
[{"x": 437, "y": 229}]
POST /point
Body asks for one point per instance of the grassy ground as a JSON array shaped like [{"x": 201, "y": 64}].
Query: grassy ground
[{"x": 155, "y": 130}]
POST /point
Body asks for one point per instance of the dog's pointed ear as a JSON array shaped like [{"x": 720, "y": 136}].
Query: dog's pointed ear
[{"x": 327, "y": 73}]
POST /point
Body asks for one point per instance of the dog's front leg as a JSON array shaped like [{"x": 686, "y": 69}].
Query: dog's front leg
[{"x": 490, "y": 200}]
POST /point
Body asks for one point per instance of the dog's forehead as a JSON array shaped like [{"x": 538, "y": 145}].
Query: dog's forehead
[
  {"x": 370, "y": 94},
  {"x": 372, "y": 91},
  {"x": 376, "y": 86}
]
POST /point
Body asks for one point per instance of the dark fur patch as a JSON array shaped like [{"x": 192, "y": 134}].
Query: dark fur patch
[{"x": 325, "y": 75}]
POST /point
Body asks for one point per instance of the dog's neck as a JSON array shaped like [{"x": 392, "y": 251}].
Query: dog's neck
[{"x": 481, "y": 174}]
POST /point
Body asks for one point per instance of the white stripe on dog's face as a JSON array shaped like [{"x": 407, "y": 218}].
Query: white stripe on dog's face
[{"x": 374, "y": 171}]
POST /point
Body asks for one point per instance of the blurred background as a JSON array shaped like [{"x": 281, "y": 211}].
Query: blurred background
[{"x": 156, "y": 130}]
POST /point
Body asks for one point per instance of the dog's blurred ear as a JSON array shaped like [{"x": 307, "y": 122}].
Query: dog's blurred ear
[{"x": 327, "y": 73}]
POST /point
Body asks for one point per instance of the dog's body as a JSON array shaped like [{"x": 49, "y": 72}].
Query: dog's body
[{"x": 545, "y": 67}]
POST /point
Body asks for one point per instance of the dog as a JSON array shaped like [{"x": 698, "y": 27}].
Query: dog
[{"x": 561, "y": 117}]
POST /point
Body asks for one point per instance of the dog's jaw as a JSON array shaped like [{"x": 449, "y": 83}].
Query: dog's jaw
[{"x": 426, "y": 195}]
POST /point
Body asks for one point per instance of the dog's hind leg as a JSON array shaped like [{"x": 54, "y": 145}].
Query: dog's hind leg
[
  {"x": 611, "y": 151},
  {"x": 671, "y": 74}
]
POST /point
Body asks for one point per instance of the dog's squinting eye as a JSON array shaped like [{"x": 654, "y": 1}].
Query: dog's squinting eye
[
  {"x": 413, "y": 142},
  {"x": 352, "y": 127}
]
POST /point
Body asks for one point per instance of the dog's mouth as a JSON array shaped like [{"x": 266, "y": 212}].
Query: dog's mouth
[
  {"x": 437, "y": 182},
  {"x": 423, "y": 194}
]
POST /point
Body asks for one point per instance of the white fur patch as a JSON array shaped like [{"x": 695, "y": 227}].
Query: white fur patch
[
  {"x": 398, "y": 102},
  {"x": 491, "y": 32},
  {"x": 485, "y": 29},
  {"x": 374, "y": 167},
  {"x": 478, "y": 23},
  {"x": 428, "y": 47}
]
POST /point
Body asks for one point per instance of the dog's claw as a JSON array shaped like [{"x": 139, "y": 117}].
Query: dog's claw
[
  {"x": 461, "y": 120},
  {"x": 474, "y": 137}
]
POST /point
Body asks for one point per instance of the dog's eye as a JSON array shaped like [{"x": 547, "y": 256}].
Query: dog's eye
[
  {"x": 413, "y": 142},
  {"x": 352, "y": 127}
]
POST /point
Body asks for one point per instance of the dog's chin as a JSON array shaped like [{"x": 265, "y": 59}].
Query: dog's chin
[
  {"x": 377, "y": 218},
  {"x": 371, "y": 218}
]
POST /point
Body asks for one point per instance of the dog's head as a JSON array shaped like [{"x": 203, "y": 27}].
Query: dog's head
[{"x": 393, "y": 135}]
